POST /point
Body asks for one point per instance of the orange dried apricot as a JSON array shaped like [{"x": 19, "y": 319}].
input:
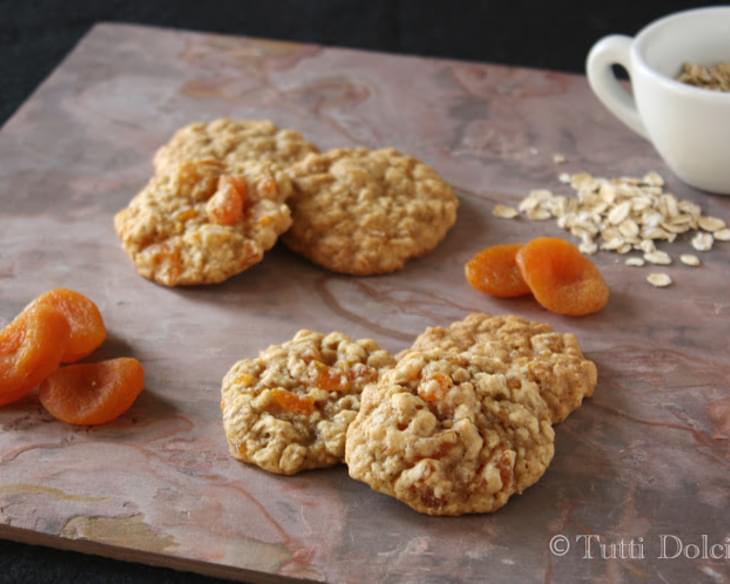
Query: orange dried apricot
[
  {"x": 290, "y": 402},
  {"x": 494, "y": 270},
  {"x": 226, "y": 206},
  {"x": 87, "y": 326},
  {"x": 561, "y": 278},
  {"x": 93, "y": 393},
  {"x": 13, "y": 396},
  {"x": 331, "y": 379},
  {"x": 432, "y": 392},
  {"x": 31, "y": 348}
]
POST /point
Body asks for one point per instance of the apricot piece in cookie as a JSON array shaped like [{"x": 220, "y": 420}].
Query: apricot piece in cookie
[
  {"x": 233, "y": 141},
  {"x": 359, "y": 211},
  {"x": 443, "y": 436},
  {"x": 205, "y": 221},
  {"x": 288, "y": 409},
  {"x": 552, "y": 360}
]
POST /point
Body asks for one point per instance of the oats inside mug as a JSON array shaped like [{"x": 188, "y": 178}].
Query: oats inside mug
[{"x": 715, "y": 77}]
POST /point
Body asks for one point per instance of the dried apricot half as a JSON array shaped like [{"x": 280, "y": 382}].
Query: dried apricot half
[
  {"x": 226, "y": 206},
  {"x": 494, "y": 270},
  {"x": 90, "y": 394},
  {"x": 83, "y": 316},
  {"x": 31, "y": 347},
  {"x": 290, "y": 402},
  {"x": 561, "y": 278},
  {"x": 13, "y": 396}
]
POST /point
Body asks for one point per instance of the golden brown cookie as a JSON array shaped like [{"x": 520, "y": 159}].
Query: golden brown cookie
[
  {"x": 203, "y": 221},
  {"x": 288, "y": 409},
  {"x": 552, "y": 360},
  {"x": 443, "y": 436},
  {"x": 363, "y": 212},
  {"x": 232, "y": 142}
]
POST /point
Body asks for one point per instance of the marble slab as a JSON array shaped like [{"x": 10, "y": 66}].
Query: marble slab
[{"x": 648, "y": 456}]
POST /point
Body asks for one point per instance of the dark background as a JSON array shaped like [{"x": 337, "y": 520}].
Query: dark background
[{"x": 36, "y": 34}]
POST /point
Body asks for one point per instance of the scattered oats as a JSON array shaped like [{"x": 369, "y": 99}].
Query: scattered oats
[
  {"x": 650, "y": 219},
  {"x": 538, "y": 214},
  {"x": 534, "y": 200},
  {"x": 584, "y": 232},
  {"x": 623, "y": 214},
  {"x": 682, "y": 219},
  {"x": 689, "y": 259},
  {"x": 541, "y": 195},
  {"x": 559, "y": 158},
  {"x": 702, "y": 241},
  {"x": 658, "y": 257},
  {"x": 505, "y": 212},
  {"x": 656, "y": 233},
  {"x": 722, "y": 235},
  {"x": 668, "y": 206},
  {"x": 675, "y": 227},
  {"x": 629, "y": 228},
  {"x": 619, "y": 213},
  {"x": 711, "y": 223},
  {"x": 659, "y": 280},
  {"x": 612, "y": 244},
  {"x": 610, "y": 233},
  {"x": 588, "y": 247},
  {"x": 647, "y": 246},
  {"x": 690, "y": 208},
  {"x": 654, "y": 179},
  {"x": 634, "y": 262}
]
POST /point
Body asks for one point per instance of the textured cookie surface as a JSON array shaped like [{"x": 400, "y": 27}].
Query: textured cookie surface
[
  {"x": 446, "y": 438},
  {"x": 288, "y": 409},
  {"x": 552, "y": 360},
  {"x": 203, "y": 221},
  {"x": 360, "y": 211},
  {"x": 233, "y": 141}
]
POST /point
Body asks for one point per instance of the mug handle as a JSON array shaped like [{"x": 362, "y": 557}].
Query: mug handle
[{"x": 614, "y": 50}]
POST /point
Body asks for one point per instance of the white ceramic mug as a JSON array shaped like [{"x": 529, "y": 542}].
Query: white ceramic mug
[{"x": 689, "y": 126}]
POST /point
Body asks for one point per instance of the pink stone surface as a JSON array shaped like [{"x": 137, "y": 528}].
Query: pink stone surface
[{"x": 648, "y": 455}]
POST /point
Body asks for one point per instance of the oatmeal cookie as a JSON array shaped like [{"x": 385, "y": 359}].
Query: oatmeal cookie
[
  {"x": 232, "y": 142},
  {"x": 360, "y": 211},
  {"x": 204, "y": 222},
  {"x": 552, "y": 360},
  {"x": 443, "y": 436},
  {"x": 288, "y": 409}
]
